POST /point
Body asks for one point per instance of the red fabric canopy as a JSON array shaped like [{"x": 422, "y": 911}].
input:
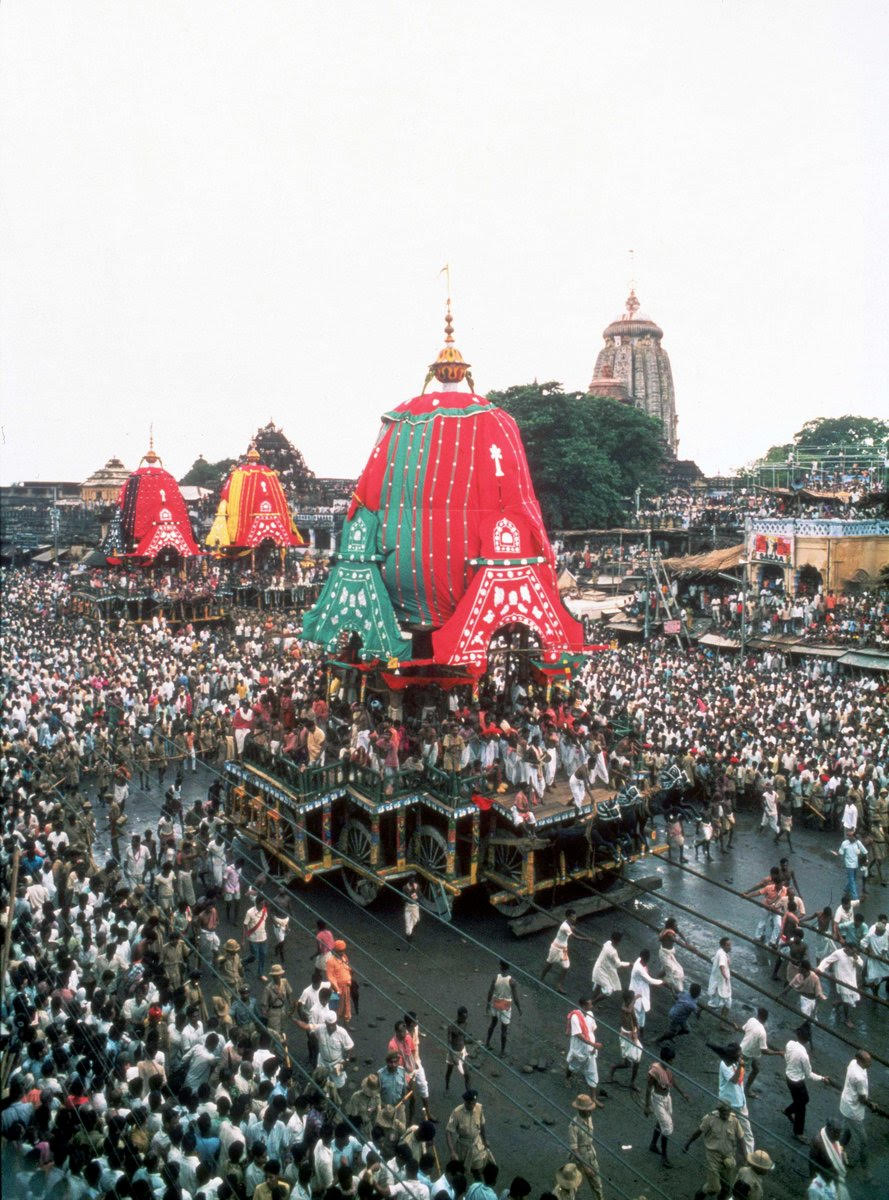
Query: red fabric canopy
[
  {"x": 450, "y": 482},
  {"x": 257, "y": 508},
  {"x": 446, "y": 682},
  {"x": 153, "y": 515}
]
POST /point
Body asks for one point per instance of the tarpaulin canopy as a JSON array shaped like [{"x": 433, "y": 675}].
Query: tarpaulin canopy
[
  {"x": 839, "y": 494},
  {"x": 727, "y": 559},
  {"x": 818, "y": 651}
]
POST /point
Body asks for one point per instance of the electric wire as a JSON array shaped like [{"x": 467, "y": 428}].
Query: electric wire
[
  {"x": 511, "y": 1100},
  {"x": 750, "y": 900},
  {"x": 388, "y": 884},
  {"x": 540, "y": 984}
]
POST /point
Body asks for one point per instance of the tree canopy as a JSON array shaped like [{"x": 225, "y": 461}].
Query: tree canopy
[
  {"x": 822, "y": 433},
  {"x": 206, "y": 474},
  {"x": 587, "y": 454}
]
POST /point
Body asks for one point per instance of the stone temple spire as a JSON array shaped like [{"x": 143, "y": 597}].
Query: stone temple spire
[{"x": 634, "y": 367}]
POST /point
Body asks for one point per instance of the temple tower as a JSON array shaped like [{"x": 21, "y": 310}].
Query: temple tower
[{"x": 634, "y": 367}]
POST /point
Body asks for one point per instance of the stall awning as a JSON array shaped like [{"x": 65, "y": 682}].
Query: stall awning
[
  {"x": 818, "y": 651},
  {"x": 870, "y": 660},
  {"x": 48, "y": 556},
  {"x": 718, "y": 641}
]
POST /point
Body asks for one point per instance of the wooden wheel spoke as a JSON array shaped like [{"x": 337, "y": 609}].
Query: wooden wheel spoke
[{"x": 355, "y": 844}]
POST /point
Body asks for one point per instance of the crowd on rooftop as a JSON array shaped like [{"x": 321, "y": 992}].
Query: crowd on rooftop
[{"x": 844, "y": 498}]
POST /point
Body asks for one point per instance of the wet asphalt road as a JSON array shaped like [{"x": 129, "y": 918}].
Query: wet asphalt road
[{"x": 528, "y": 1110}]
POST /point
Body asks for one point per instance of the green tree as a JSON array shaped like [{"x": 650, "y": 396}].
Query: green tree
[
  {"x": 866, "y": 434},
  {"x": 207, "y": 475},
  {"x": 586, "y": 454},
  {"x": 861, "y": 432}
]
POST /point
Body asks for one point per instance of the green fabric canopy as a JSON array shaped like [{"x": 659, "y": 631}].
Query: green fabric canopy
[{"x": 354, "y": 599}]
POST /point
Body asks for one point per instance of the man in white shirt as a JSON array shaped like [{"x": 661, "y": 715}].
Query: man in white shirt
[
  {"x": 192, "y": 1032},
  {"x": 36, "y": 895},
  {"x": 719, "y": 986},
  {"x": 854, "y": 1103},
  {"x": 322, "y": 1161},
  {"x": 754, "y": 1045},
  {"x": 136, "y": 861},
  {"x": 797, "y": 1072},
  {"x": 312, "y": 1005},
  {"x": 641, "y": 982},
  {"x": 769, "y": 809},
  {"x": 844, "y": 961},
  {"x": 228, "y": 1133},
  {"x": 445, "y": 1182},
  {"x": 334, "y": 1044},
  {"x": 851, "y": 852},
  {"x": 256, "y": 932},
  {"x": 605, "y": 969}
]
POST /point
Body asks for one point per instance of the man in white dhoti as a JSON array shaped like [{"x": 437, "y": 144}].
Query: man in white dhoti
[
  {"x": 659, "y": 1100},
  {"x": 583, "y": 1049},
  {"x": 641, "y": 983},
  {"x": 843, "y": 965},
  {"x": 579, "y": 785},
  {"x": 605, "y": 969},
  {"x": 854, "y": 1103},
  {"x": 719, "y": 987},
  {"x": 672, "y": 971},
  {"x": 550, "y": 763},
  {"x": 754, "y": 1044},
  {"x": 557, "y": 955}
]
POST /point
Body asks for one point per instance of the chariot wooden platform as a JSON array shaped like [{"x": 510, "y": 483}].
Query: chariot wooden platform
[{"x": 452, "y": 831}]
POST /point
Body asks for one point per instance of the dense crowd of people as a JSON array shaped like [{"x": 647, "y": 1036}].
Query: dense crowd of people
[
  {"x": 850, "y": 619},
  {"x": 288, "y": 582},
  {"x": 825, "y": 496},
  {"x": 140, "y": 1058}
]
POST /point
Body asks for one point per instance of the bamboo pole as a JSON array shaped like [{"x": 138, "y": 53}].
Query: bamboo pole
[{"x": 7, "y": 937}]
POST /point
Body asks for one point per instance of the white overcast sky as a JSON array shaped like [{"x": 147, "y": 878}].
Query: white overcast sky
[{"x": 218, "y": 213}]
